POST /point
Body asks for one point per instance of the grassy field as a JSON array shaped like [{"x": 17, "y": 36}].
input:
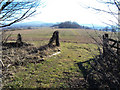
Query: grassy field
[
  {"x": 68, "y": 35},
  {"x": 56, "y": 71}
]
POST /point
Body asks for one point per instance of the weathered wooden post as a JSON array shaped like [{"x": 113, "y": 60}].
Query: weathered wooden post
[
  {"x": 57, "y": 39},
  {"x": 105, "y": 44},
  {"x": 19, "y": 40},
  {"x": 118, "y": 48},
  {"x": 54, "y": 37}
]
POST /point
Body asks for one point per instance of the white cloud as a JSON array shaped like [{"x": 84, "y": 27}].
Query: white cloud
[{"x": 66, "y": 10}]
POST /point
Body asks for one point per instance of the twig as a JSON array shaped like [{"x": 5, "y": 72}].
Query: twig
[{"x": 2, "y": 63}]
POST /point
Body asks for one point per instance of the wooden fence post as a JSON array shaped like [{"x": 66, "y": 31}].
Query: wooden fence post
[
  {"x": 19, "y": 40},
  {"x": 105, "y": 44},
  {"x": 118, "y": 48},
  {"x": 55, "y": 37}
]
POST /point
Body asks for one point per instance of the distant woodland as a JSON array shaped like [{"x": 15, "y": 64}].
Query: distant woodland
[{"x": 69, "y": 24}]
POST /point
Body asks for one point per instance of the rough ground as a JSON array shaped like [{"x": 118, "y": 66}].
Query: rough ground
[{"x": 28, "y": 67}]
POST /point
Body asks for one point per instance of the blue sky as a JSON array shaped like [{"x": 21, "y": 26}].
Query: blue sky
[{"x": 72, "y": 10}]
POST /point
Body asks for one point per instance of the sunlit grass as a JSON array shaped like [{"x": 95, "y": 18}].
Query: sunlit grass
[
  {"x": 50, "y": 73},
  {"x": 56, "y": 70}
]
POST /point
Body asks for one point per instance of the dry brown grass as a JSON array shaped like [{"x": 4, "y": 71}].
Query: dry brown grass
[{"x": 66, "y": 35}]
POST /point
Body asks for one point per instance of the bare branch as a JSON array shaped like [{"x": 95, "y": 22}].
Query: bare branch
[
  {"x": 13, "y": 12},
  {"x": 109, "y": 12},
  {"x": 117, "y": 4}
]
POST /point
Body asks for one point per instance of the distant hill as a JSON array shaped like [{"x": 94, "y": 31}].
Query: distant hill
[
  {"x": 33, "y": 24},
  {"x": 66, "y": 24},
  {"x": 69, "y": 24}
]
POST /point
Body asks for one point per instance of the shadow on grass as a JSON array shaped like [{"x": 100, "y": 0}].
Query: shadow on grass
[
  {"x": 99, "y": 73},
  {"x": 87, "y": 74},
  {"x": 15, "y": 44},
  {"x": 43, "y": 48}
]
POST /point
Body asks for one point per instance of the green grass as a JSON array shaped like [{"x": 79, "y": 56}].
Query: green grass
[
  {"x": 55, "y": 71},
  {"x": 50, "y": 73}
]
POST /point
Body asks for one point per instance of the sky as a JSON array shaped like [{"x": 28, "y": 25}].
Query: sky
[{"x": 72, "y": 10}]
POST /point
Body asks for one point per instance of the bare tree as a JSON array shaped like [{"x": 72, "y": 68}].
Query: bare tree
[
  {"x": 13, "y": 11},
  {"x": 105, "y": 67},
  {"x": 113, "y": 9}
]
